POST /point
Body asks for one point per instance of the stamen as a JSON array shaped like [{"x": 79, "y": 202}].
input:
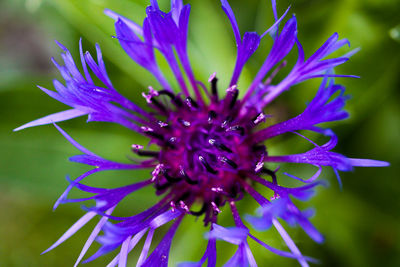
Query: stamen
[
  {"x": 135, "y": 146},
  {"x": 146, "y": 129},
  {"x": 238, "y": 128},
  {"x": 270, "y": 173},
  {"x": 207, "y": 166},
  {"x": 259, "y": 166},
  {"x": 258, "y": 148},
  {"x": 186, "y": 177},
  {"x": 147, "y": 97},
  {"x": 161, "y": 187},
  {"x": 156, "y": 171},
  {"x": 212, "y": 77},
  {"x": 162, "y": 124},
  {"x": 137, "y": 150},
  {"x": 219, "y": 145},
  {"x": 191, "y": 103},
  {"x": 147, "y": 153},
  {"x": 171, "y": 142},
  {"x": 261, "y": 117},
  {"x": 154, "y": 134},
  {"x": 227, "y": 120},
  {"x": 183, "y": 122},
  {"x": 211, "y": 116},
  {"x": 170, "y": 178},
  {"x": 217, "y": 189},
  {"x": 173, "y": 206},
  {"x": 176, "y": 100},
  {"x": 215, "y": 208},
  {"x": 184, "y": 206},
  {"x": 152, "y": 92},
  {"x": 233, "y": 95},
  {"x": 214, "y": 90},
  {"x": 275, "y": 196},
  {"x": 228, "y": 161},
  {"x": 157, "y": 103},
  {"x": 201, "y": 211}
]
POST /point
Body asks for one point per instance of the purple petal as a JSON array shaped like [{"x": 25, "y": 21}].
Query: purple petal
[
  {"x": 132, "y": 25},
  {"x": 146, "y": 247},
  {"x": 274, "y": 27},
  {"x": 66, "y": 192},
  {"x": 92, "y": 237},
  {"x": 281, "y": 47},
  {"x": 132, "y": 244},
  {"x": 281, "y": 252},
  {"x": 368, "y": 163},
  {"x": 234, "y": 235},
  {"x": 291, "y": 245},
  {"x": 123, "y": 255},
  {"x": 74, "y": 143},
  {"x": 159, "y": 257},
  {"x": 176, "y": 8},
  {"x": 74, "y": 228},
  {"x": 53, "y": 118},
  {"x": 251, "y": 41},
  {"x": 231, "y": 16}
]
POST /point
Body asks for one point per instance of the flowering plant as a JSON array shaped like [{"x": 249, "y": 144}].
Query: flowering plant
[{"x": 211, "y": 145}]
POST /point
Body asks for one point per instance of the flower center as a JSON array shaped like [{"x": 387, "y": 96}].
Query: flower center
[{"x": 206, "y": 150}]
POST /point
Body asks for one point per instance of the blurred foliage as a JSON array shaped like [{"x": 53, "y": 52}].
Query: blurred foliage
[{"x": 361, "y": 223}]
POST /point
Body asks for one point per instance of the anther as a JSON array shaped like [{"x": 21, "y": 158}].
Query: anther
[
  {"x": 138, "y": 150},
  {"x": 212, "y": 77},
  {"x": 233, "y": 94},
  {"x": 261, "y": 117},
  {"x": 184, "y": 206},
  {"x": 207, "y": 166},
  {"x": 156, "y": 171},
  {"x": 147, "y": 97},
  {"x": 173, "y": 206},
  {"x": 219, "y": 145},
  {"x": 146, "y": 129},
  {"x": 215, "y": 208},
  {"x": 213, "y": 80},
  {"x": 217, "y": 189},
  {"x": 135, "y": 146},
  {"x": 152, "y": 93},
  {"x": 149, "y": 131},
  {"x": 275, "y": 196},
  {"x": 211, "y": 116},
  {"x": 229, "y": 162},
  {"x": 186, "y": 177},
  {"x": 237, "y": 128},
  {"x": 162, "y": 124},
  {"x": 171, "y": 142},
  {"x": 259, "y": 166},
  {"x": 184, "y": 122},
  {"x": 191, "y": 103},
  {"x": 227, "y": 120}
]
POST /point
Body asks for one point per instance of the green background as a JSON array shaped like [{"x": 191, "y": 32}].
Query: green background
[{"x": 361, "y": 223}]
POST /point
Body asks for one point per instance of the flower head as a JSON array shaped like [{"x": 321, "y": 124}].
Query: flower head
[{"x": 211, "y": 143}]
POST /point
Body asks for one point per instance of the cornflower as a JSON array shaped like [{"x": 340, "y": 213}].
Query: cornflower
[{"x": 211, "y": 145}]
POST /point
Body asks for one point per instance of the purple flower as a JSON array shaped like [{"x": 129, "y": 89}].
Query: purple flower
[{"x": 211, "y": 143}]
